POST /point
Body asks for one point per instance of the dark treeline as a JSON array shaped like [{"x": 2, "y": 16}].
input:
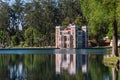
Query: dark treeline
[{"x": 33, "y": 23}]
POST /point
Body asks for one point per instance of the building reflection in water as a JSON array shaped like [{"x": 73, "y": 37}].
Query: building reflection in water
[
  {"x": 17, "y": 72},
  {"x": 70, "y": 61}
]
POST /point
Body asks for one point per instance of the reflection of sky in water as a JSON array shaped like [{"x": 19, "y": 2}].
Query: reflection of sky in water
[{"x": 17, "y": 72}]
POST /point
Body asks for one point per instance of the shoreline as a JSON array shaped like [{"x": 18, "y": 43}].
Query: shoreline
[
  {"x": 53, "y": 47},
  {"x": 111, "y": 61},
  {"x": 96, "y": 47}
]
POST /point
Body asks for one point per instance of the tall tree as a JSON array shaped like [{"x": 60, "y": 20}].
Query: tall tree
[
  {"x": 69, "y": 8},
  {"x": 100, "y": 14},
  {"x": 4, "y": 22},
  {"x": 17, "y": 15},
  {"x": 65, "y": 22},
  {"x": 112, "y": 6},
  {"x": 94, "y": 16}
]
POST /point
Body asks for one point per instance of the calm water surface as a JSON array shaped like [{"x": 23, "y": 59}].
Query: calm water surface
[{"x": 55, "y": 64}]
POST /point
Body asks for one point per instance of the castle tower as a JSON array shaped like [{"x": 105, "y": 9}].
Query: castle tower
[
  {"x": 85, "y": 29},
  {"x": 73, "y": 32},
  {"x": 71, "y": 37},
  {"x": 57, "y": 32}
]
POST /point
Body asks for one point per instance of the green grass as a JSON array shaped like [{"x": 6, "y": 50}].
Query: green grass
[{"x": 111, "y": 61}]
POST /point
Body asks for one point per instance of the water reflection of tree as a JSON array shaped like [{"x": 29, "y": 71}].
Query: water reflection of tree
[
  {"x": 39, "y": 67},
  {"x": 97, "y": 70},
  {"x": 42, "y": 67},
  {"x": 4, "y": 61},
  {"x": 115, "y": 73}
]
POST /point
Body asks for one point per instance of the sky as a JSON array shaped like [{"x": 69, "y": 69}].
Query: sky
[{"x": 12, "y": 1}]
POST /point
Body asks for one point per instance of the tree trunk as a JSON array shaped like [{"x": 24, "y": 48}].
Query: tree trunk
[{"x": 115, "y": 39}]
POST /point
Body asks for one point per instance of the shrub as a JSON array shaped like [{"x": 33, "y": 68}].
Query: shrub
[{"x": 15, "y": 40}]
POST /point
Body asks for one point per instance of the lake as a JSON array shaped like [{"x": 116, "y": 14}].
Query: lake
[{"x": 56, "y": 64}]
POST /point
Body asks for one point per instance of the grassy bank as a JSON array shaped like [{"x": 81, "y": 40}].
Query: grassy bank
[{"x": 111, "y": 61}]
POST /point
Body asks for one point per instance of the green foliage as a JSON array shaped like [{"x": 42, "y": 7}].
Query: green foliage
[
  {"x": 118, "y": 75},
  {"x": 96, "y": 68},
  {"x": 15, "y": 40},
  {"x": 102, "y": 17},
  {"x": 4, "y": 23},
  {"x": 4, "y": 15},
  {"x": 65, "y": 22},
  {"x": 29, "y": 36},
  {"x": 28, "y": 60},
  {"x": 111, "y": 60},
  {"x": 42, "y": 16},
  {"x": 96, "y": 16},
  {"x": 79, "y": 21},
  {"x": 14, "y": 59},
  {"x": 16, "y": 14},
  {"x": 1, "y": 37},
  {"x": 110, "y": 33},
  {"x": 33, "y": 37},
  {"x": 21, "y": 44},
  {"x": 37, "y": 36},
  {"x": 42, "y": 67}
]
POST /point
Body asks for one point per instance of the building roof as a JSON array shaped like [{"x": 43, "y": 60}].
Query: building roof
[{"x": 67, "y": 28}]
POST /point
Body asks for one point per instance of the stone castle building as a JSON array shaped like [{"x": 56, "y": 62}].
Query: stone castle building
[{"x": 71, "y": 37}]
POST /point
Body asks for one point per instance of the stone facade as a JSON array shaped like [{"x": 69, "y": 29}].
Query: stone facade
[{"x": 71, "y": 37}]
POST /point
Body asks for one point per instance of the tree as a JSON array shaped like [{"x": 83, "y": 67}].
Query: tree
[
  {"x": 37, "y": 37},
  {"x": 66, "y": 22},
  {"x": 17, "y": 15},
  {"x": 69, "y": 8},
  {"x": 79, "y": 21},
  {"x": 94, "y": 16},
  {"x": 2, "y": 37},
  {"x": 4, "y": 22},
  {"x": 98, "y": 20},
  {"x": 113, "y": 16},
  {"x": 29, "y": 36},
  {"x": 33, "y": 37},
  {"x": 40, "y": 15},
  {"x": 15, "y": 40},
  {"x": 11, "y": 19},
  {"x": 109, "y": 34}
]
